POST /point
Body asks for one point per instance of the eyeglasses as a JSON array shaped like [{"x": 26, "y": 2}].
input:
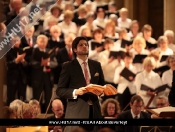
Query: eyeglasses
[{"x": 160, "y": 104}]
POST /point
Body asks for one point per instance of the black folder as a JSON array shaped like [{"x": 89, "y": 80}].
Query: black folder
[
  {"x": 139, "y": 58},
  {"x": 126, "y": 42},
  {"x": 126, "y": 73},
  {"x": 151, "y": 45},
  {"x": 158, "y": 89},
  {"x": 104, "y": 7},
  {"x": 161, "y": 70},
  {"x": 163, "y": 58},
  {"x": 38, "y": 55},
  {"x": 114, "y": 39},
  {"x": 116, "y": 54},
  {"x": 88, "y": 38},
  {"x": 102, "y": 28},
  {"x": 96, "y": 44}
]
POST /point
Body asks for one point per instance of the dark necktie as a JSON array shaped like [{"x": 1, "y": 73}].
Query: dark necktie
[
  {"x": 70, "y": 54},
  {"x": 136, "y": 117}
]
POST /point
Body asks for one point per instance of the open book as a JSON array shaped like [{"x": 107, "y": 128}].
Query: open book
[
  {"x": 163, "y": 112},
  {"x": 126, "y": 73},
  {"x": 157, "y": 90},
  {"x": 28, "y": 50},
  {"x": 99, "y": 90}
]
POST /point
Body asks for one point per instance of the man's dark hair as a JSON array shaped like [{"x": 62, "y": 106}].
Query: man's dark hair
[
  {"x": 75, "y": 43},
  {"x": 137, "y": 98}
]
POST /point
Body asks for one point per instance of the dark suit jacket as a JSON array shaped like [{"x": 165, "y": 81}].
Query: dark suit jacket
[
  {"x": 71, "y": 78},
  {"x": 37, "y": 70},
  {"x": 52, "y": 44},
  {"x": 24, "y": 42},
  {"x": 171, "y": 96},
  {"x": 127, "y": 115},
  {"x": 62, "y": 57},
  {"x": 15, "y": 71}
]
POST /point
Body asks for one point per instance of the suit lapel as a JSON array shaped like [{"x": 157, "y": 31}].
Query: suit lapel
[{"x": 79, "y": 71}]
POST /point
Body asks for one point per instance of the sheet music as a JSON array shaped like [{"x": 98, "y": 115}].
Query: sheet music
[{"x": 164, "y": 109}]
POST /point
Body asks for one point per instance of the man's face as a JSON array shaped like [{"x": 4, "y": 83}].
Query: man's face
[
  {"x": 29, "y": 33},
  {"x": 161, "y": 103},
  {"x": 82, "y": 48},
  {"x": 136, "y": 107},
  {"x": 58, "y": 110},
  {"x": 41, "y": 43},
  {"x": 55, "y": 33}
]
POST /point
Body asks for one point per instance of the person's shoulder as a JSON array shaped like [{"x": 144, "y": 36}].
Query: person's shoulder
[
  {"x": 93, "y": 62},
  {"x": 124, "y": 114},
  {"x": 146, "y": 115}
]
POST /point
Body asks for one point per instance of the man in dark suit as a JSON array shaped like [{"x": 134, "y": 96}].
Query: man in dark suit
[
  {"x": 136, "y": 112},
  {"x": 75, "y": 75},
  {"x": 171, "y": 96},
  {"x": 16, "y": 72},
  {"x": 28, "y": 39},
  {"x": 41, "y": 73}
]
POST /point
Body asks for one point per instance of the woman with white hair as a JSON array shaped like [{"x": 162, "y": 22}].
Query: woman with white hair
[
  {"x": 170, "y": 36},
  {"x": 149, "y": 78}
]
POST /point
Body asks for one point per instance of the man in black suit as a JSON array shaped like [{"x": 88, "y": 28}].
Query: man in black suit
[
  {"x": 75, "y": 75},
  {"x": 171, "y": 96},
  {"x": 28, "y": 39},
  {"x": 136, "y": 112},
  {"x": 41, "y": 73},
  {"x": 16, "y": 72}
]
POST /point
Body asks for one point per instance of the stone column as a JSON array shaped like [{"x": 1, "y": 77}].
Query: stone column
[{"x": 169, "y": 15}]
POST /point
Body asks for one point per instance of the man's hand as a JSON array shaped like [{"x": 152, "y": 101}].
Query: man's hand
[
  {"x": 44, "y": 62},
  {"x": 81, "y": 91},
  {"x": 19, "y": 58}
]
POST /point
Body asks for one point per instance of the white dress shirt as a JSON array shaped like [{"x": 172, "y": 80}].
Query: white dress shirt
[
  {"x": 122, "y": 82},
  {"x": 82, "y": 66},
  {"x": 167, "y": 78},
  {"x": 152, "y": 80}
]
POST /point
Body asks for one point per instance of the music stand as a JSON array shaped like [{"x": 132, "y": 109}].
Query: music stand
[{"x": 155, "y": 129}]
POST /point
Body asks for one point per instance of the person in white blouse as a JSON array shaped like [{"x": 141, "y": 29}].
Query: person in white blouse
[
  {"x": 67, "y": 25},
  {"x": 109, "y": 30},
  {"x": 89, "y": 23},
  {"x": 134, "y": 30},
  {"x": 146, "y": 34},
  {"x": 108, "y": 64},
  {"x": 139, "y": 45},
  {"x": 55, "y": 12},
  {"x": 168, "y": 75},
  {"x": 162, "y": 49},
  {"x": 170, "y": 35},
  {"x": 125, "y": 89},
  {"x": 97, "y": 37},
  {"x": 149, "y": 78},
  {"x": 123, "y": 20},
  {"x": 122, "y": 35},
  {"x": 100, "y": 21}
]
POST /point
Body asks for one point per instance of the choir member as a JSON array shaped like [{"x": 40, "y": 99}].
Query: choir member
[
  {"x": 16, "y": 71},
  {"x": 95, "y": 49},
  {"x": 168, "y": 75},
  {"x": 139, "y": 45},
  {"x": 41, "y": 73},
  {"x": 134, "y": 30},
  {"x": 149, "y": 78},
  {"x": 170, "y": 35},
  {"x": 126, "y": 88},
  {"x": 67, "y": 25},
  {"x": 123, "y": 20}
]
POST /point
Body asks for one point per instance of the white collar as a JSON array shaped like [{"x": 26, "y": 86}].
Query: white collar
[{"x": 81, "y": 61}]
